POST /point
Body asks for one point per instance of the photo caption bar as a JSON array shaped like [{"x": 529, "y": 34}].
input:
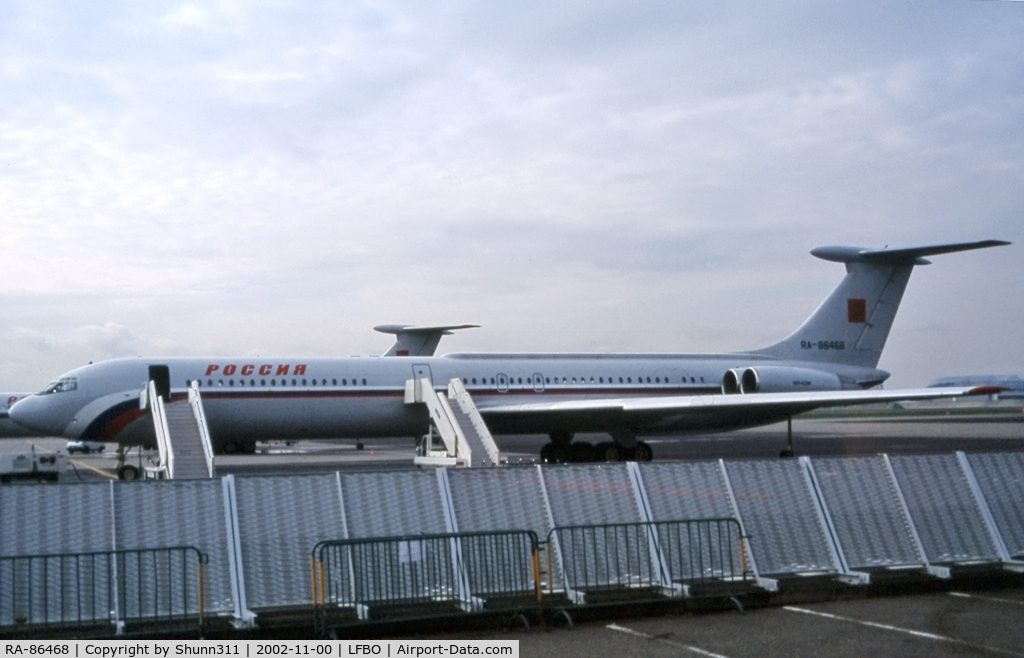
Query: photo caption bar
[{"x": 257, "y": 649}]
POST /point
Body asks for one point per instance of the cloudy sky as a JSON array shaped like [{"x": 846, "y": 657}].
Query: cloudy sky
[{"x": 277, "y": 177}]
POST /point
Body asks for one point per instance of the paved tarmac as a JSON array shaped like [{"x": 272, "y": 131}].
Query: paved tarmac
[
  {"x": 954, "y": 623},
  {"x": 812, "y": 436}
]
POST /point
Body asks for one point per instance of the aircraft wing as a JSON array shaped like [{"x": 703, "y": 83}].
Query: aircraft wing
[{"x": 652, "y": 411}]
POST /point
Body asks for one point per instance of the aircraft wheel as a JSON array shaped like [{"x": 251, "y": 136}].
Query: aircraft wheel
[
  {"x": 359, "y": 445},
  {"x": 643, "y": 452},
  {"x": 561, "y": 438},
  {"x": 552, "y": 453},
  {"x": 128, "y": 472},
  {"x": 581, "y": 451},
  {"x": 612, "y": 452}
]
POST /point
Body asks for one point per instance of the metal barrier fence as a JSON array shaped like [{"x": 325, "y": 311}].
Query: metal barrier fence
[
  {"x": 846, "y": 518},
  {"x": 421, "y": 575},
  {"x": 39, "y": 592},
  {"x": 662, "y": 557}
]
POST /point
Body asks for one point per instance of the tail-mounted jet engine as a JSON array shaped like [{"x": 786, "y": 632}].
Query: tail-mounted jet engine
[{"x": 778, "y": 379}]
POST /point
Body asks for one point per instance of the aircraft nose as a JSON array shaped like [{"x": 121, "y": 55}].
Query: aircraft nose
[{"x": 32, "y": 412}]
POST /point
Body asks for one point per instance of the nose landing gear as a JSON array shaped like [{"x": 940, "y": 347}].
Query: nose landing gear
[{"x": 127, "y": 471}]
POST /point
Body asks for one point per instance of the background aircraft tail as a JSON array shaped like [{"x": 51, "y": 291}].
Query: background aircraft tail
[{"x": 852, "y": 324}]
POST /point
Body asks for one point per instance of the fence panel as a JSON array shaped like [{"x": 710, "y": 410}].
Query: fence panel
[
  {"x": 458, "y": 569},
  {"x": 864, "y": 504},
  {"x": 659, "y": 554},
  {"x": 88, "y": 589},
  {"x": 1001, "y": 479},
  {"x": 943, "y": 509},
  {"x": 779, "y": 513}
]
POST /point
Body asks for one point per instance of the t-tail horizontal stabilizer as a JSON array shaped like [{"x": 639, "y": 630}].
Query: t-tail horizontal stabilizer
[
  {"x": 852, "y": 324},
  {"x": 913, "y": 255},
  {"x": 417, "y": 341}
]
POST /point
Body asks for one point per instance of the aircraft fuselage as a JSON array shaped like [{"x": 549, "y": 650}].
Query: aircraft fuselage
[{"x": 248, "y": 400}]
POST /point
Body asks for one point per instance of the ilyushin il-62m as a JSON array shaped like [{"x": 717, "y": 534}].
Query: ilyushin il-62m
[{"x": 830, "y": 360}]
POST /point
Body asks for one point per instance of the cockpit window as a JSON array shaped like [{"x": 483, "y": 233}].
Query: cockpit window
[{"x": 61, "y": 386}]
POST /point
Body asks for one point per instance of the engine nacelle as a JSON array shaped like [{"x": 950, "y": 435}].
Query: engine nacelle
[
  {"x": 731, "y": 381},
  {"x": 778, "y": 379}
]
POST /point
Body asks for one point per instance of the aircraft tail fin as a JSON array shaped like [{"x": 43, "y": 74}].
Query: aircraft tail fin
[
  {"x": 853, "y": 323},
  {"x": 417, "y": 341}
]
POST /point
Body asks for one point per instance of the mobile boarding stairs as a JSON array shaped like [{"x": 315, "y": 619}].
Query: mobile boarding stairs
[
  {"x": 458, "y": 435},
  {"x": 182, "y": 435}
]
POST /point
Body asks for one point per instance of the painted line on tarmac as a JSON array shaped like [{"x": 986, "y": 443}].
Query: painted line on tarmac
[
  {"x": 908, "y": 631},
  {"x": 696, "y": 650},
  {"x": 991, "y": 599},
  {"x": 93, "y": 468}
]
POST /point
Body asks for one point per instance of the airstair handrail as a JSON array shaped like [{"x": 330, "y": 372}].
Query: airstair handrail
[
  {"x": 163, "y": 443},
  {"x": 457, "y": 392},
  {"x": 195, "y": 400}
]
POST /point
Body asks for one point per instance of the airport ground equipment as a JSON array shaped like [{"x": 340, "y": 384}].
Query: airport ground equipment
[
  {"x": 85, "y": 447},
  {"x": 182, "y": 436},
  {"x": 609, "y": 534},
  {"x": 457, "y": 435},
  {"x": 32, "y": 466}
]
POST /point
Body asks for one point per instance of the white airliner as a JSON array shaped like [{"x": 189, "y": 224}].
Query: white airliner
[{"x": 829, "y": 361}]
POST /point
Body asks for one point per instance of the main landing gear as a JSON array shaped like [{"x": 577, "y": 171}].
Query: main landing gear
[
  {"x": 788, "y": 450},
  {"x": 124, "y": 470},
  {"x": 562, "y": 450}
]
